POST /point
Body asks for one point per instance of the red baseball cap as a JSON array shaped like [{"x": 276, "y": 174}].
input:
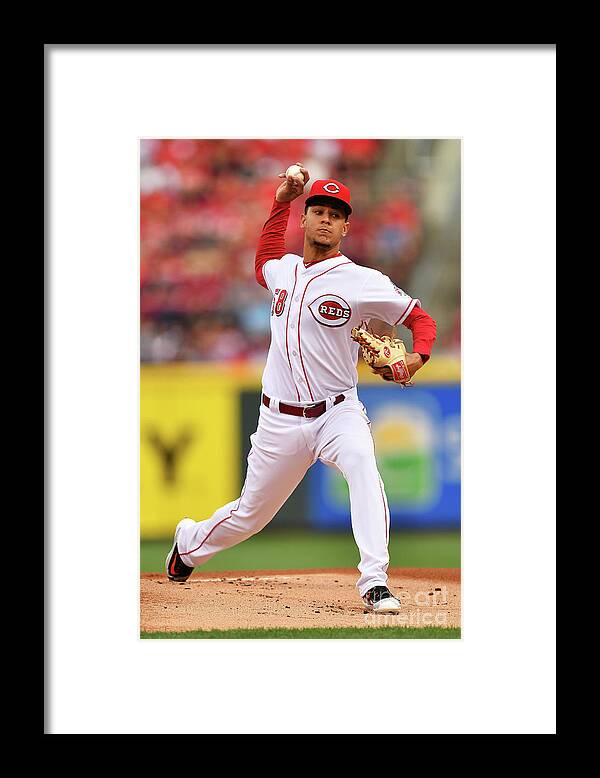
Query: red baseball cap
[{"x": 334, "y": 190}]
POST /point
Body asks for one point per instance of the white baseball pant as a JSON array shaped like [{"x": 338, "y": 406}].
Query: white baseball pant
[{"x": 283, "y": 448}]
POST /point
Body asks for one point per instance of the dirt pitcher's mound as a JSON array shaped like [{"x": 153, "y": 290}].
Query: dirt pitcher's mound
[{"x": 294, "y": 598}]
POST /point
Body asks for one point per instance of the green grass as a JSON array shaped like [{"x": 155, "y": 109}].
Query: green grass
[
  {"x": 445, "y": 633},
  {"x": 299, "y": 549}
]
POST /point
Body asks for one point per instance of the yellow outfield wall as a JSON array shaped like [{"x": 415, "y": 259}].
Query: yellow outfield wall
[
  {"x": 190, "y": 435},
  {"x": 189, "y": 460}
]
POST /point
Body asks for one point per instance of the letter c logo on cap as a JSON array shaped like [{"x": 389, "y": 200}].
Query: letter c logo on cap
[{"x": 332, "y": 188}]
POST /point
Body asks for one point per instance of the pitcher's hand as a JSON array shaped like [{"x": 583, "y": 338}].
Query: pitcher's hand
[{"x": 291, "y": 188}]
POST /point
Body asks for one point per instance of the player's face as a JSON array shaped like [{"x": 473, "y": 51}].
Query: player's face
[{"x": 324, "y": 225}]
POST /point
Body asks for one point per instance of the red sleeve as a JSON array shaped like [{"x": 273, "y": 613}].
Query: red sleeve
[
  {"x": 423, "y": 329},
  {"x": 271, "y": 244}
]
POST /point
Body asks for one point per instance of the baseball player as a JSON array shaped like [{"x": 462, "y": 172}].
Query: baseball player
[{"x": 310, "y": 409}]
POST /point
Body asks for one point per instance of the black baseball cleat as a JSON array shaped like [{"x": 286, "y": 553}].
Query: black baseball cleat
[
  {"x": 175, "y": 568},
  {"x": 379, "y": 599}
]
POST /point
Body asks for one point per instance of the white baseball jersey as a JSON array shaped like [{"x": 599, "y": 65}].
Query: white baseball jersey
[{"x": 312, "y": 355}]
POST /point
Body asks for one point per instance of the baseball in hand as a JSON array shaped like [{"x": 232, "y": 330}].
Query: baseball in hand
[{"x": 294, "y": 172}]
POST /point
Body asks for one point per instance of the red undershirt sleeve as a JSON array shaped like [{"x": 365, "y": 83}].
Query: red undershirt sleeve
[
  {"x": 271, "y": 244},
  {"x": 423, "y": 329}
]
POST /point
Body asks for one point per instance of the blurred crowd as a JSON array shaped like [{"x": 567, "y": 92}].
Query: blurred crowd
[{"x": 203, "y": 204}]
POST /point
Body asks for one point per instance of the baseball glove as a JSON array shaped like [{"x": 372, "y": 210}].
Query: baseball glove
[{"x": 385, "y": 356}]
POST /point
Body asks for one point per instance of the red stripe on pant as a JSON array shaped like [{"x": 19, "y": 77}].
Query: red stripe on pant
[
  {"x": 385, "y": 514},
  {"x": 186, "y": 553}
]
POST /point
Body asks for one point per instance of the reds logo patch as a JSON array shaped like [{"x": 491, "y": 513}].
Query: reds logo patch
[
  {"x": 330, "y": 310},
  {"x": 331, "y": 187},
  {"x": 400, "y": 291}
]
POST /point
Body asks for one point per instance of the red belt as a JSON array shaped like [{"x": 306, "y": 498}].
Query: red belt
[{"x": 308, "y": 411}]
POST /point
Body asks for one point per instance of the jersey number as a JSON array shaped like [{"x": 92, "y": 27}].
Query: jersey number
[{"x": 279, "y": 302}]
